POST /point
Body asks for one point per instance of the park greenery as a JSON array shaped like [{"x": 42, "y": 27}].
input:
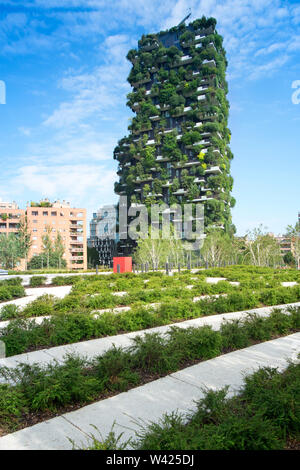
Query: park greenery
[
  {"x": 15, "y": 247},
  {"x": 154, "y": 300},
  {"x": 37, "y": 389},
  {"x": 265, "y": 415},
  {"x": 257, "y": 248}
]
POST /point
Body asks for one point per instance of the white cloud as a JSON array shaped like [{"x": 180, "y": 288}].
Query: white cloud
[
  {"x": 25, "y": 131},
  {"x": 86, "y": 186},
  {"x": 269, "y": 67}
]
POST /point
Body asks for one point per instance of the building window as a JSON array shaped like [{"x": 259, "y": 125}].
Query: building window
[
  {"x": 45, "y": 213},
  {"x": 53, "y": 214},
  {"x": 34, "y": 229},
  {"x": 34, "y": 221},
  {"x": 34, "y": 213}
]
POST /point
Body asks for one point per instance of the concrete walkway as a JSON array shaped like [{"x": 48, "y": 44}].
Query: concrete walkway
[
  {"x": 35, "y": 292},
  {"x": 26, "y": 277},
  {"x": 96, "y": 347},
  {"x": 149, "y": 402}
]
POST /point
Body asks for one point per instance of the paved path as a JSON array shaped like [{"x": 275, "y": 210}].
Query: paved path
[
  {"x": 35, "y": 292},
  {"x": 96, "y": 347},
  {"x": 26, "y": 277},
  {"x": 149, "y": 402}
]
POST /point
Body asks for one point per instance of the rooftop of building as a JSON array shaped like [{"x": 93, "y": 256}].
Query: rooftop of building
[{"x": 8, "y": 205}]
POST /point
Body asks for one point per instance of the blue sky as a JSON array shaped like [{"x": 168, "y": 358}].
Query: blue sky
[{"x": 64, "y": 66}]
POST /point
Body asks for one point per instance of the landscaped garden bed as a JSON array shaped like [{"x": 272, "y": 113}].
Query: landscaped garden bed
[
  {"x": 41, "y": 392},
  {"x": 264, "y": 416},
  {"x": 75, "y": 318},
  {"x": 11, "y": 289}
]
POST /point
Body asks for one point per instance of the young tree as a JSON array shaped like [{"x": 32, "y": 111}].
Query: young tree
[
  {"x": 59, "y": 249},
  {"x": 294, "y": 233},
  {"x": 24, "y": 236},
  {"x": 151, "y": 250},
  {"x": 261, "y": 248},
  {"x": 217, "y": 247},
  {"x": 47, "y": 249},
  {"x": 10, "y": 250},
  {"x": 289, "y": 258}
]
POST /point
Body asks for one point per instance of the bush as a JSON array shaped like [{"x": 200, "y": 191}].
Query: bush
[
  {"x": 36, "y": 281},
  {"x": 42, "y": 306},
  {"x": 10, "y": 311},
  {"x": 114, "y": 370},
  {"x": 234, "y": 336},
  {"x": 11, "y": 291}
]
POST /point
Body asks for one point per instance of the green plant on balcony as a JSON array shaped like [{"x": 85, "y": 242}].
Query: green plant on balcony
[
  {"x": 193, "y": 191},
  {"x": 4, "y": 216},
  {"x": 157, "y": 186},
  {"x": 148, "y": 154},
  {"x": 132, "y": 54},
  {"x": 175, "y": 185},
  {"x": 191, "y": 137},
  {"x": 187, "y": 36},
  {"x": 177, "y": 111},
  {"x": 162, "y": 75}
]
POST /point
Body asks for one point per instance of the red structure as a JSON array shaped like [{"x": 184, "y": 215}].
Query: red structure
[{"x": 123, "y": 264}]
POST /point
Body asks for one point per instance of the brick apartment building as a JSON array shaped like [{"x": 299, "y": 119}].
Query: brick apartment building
[{"x": 53, "y": 217}]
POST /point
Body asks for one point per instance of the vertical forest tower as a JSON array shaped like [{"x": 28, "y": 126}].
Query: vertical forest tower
[{"x": 177, "y": 148}]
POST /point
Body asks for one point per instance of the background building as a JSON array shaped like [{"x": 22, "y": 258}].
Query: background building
[
  {"x": 103, "y": 236},
  {"x": 10, "y": 215},
  {"x": 177, "y": 150},
  {"x": 50, "y": 218}
]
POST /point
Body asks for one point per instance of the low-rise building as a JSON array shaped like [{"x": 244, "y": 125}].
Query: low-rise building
[{"x": 50, "y": 218}]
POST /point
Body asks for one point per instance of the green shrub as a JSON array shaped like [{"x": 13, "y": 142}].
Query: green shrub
[
  {"x": 114, "y": 370},
  {"x": 234, "y": 336},
  {"x": 13, "y": 291},
  {"x": 37, "y": 281},
  {"x": 9, "y": 311},
  {"x": 43, "y": 305},
  {"x": 194, "y": 343}
]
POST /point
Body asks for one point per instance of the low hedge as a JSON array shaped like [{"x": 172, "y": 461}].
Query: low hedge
[
  {"x": 77, "y": 381},
  {"x": 11, "y": 291},
  {"x": 37, "y": 281}
]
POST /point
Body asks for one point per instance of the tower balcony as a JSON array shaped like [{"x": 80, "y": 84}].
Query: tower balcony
[
  {"x": 179, "y": 192},
  {"x": 202, "y": 88},
  {"x": 209, "y": 62},
  {"x": 199, "y": 37},
  {"x": 213, "y": 169}
]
